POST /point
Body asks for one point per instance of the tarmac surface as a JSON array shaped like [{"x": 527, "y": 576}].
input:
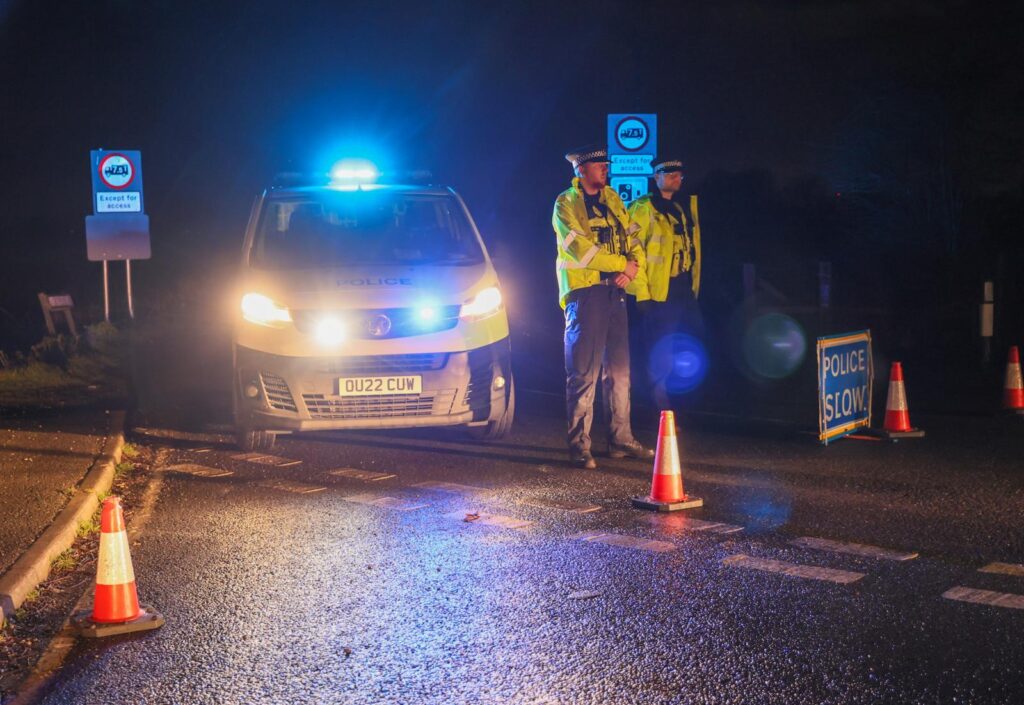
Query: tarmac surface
[
  {"x": 43, "y": 456},
  {"x": 495, "y": 573}
]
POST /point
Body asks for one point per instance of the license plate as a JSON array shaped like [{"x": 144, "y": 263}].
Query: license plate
[{"x": 374, "y": 386}]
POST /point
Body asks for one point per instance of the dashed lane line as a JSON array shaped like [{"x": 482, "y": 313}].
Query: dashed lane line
[
  {"x": 576, "y": 507},
  {"x": 962, "y": 593},
  {"x": 625, "y": 541},
  {"x": 797, "y": 570},
  {"x": 366, "y": 475},
  {"x": 293, "y": 487},
  {"x": 498, "y": 520},
  {"x": 264, "y": 459},
  {"x": 685, "y": 523},
  {"x": 198, "y": 470},
  {"x": 384, "y": 502},
  {"x": 1015, "y": 569},
  {"x": 453, "y": 487},
  {"x": 853, "y": 549}
]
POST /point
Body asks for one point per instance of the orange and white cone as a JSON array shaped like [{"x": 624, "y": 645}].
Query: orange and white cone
[
  {"x": 1013, "y": 389},
  {"x": 116, "y": 608},
  {"x": 667, "y": 493},
  {"x": 897, "y": 414}
]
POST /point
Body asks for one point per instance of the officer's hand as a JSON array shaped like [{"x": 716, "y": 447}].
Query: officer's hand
[
  {"x": 631, "y": 269},
  {"x": 621, "y": 280}
]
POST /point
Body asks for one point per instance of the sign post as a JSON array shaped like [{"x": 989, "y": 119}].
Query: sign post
[
  {"x": 632, "y": 145},
  {"x": 845, "y": 378},
  {"x": 119, "y": 226}
]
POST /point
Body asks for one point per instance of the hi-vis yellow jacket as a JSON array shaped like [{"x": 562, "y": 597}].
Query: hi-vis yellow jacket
[
  {"x": 668, "y": 254},
  {"x": 581, "y": 258}
]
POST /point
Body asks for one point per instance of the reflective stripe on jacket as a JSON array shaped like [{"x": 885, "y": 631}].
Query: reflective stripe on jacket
[
  {"x": 581, "y": 258},
  {"x": 662, "y": 245}
]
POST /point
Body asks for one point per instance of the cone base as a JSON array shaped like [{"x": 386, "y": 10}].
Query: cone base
[
  {"x": 686, "y": 503},
  {"x": 83, "y": 624},
  {"x": 896, "y": 435}
]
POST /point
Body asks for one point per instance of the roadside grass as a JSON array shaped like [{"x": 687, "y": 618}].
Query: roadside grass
[
  {"x": 123, "y": 467},
  {"x": 129, "y": 451},
  {"x": 63, "y": 372},
  {"x": 65, "y": 561},
  {"x": 87, "y": 527}
]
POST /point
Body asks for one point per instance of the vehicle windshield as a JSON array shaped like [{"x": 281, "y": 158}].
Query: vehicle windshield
[{"x": 338, "y": 229}]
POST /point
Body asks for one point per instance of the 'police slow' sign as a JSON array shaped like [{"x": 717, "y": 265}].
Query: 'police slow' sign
[{"x": 845, "y": 377}]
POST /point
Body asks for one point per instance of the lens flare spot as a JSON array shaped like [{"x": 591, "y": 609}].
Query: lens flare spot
[
  {"x": 680, "y": 361},
  {"x": 774, "y": 346}
]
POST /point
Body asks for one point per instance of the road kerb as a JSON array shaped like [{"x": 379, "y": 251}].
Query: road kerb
[{"x": 33, "y": 566}]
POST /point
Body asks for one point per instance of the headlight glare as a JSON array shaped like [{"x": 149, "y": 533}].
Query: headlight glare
[
  {"x": 484, "y": 304},
  {"x": 263, "y": 311}
]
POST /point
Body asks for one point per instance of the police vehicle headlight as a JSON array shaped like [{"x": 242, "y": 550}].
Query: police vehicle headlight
[
  {"x": 484, "y": 304},
  {"x": 263, "y": 311},
  {"x": 330, "y": 331}
]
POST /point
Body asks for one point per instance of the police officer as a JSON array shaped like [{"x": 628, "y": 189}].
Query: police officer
[
  {"x": 599, "y": 261},
  {"x": 670, "y": 233}
]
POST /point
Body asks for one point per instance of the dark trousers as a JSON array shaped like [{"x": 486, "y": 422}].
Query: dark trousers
[
  {"x": 597, "y": 341},
  {"x": 680, "y": 314}
]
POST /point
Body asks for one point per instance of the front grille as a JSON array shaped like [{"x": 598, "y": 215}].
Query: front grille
[
  {"x": 382, "y": 364},
  {"x": 278, "y": 394},
  {"x": 434, "y": 403}
]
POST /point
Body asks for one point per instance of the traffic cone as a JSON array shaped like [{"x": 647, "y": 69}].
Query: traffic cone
[
  {"x": 667, "y": 493},
  {"x": 116, "y": 608},
  {"x": 897, "y": 415},
  {"x": 1013, "y": 390}
]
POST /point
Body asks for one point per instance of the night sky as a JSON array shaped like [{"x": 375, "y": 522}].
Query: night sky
[{"x": 773, "y": 107}]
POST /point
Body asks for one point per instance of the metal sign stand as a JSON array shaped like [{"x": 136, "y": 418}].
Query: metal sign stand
[
  {"x": 106, "y": 294},
  {"x": 128, "y": 279}
]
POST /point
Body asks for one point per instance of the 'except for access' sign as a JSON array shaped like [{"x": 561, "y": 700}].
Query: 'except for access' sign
[
  {"x": 632, "y": 164},
  {"x": 129, "y": 202},
  {"x": 845, "y": 378},
  {"x": 117, "y": 181}
]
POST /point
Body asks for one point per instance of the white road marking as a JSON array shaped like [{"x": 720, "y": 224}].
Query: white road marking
[
  {"x": 854, "y": 549},
  {"x": 797, "y": 570},
  {"x": 453, "y": 487},
  {"x": 577, "y": 507},
  {"x": 376, "y": 500},
  {"x": 498, "y": 520},
  {"x": 367, "y": 475},
  {"x": 198, "y": 470},
  {"x": 584, "y": 594},
  {"x": 293, "y": 487},
  {"x": 628, "y": 541},
  {"x": 1015, "y": 569},
  {"x": 685, "y": 523},
  {"x": 985, "y": 597},
  {"x": 264, "y": 459}
]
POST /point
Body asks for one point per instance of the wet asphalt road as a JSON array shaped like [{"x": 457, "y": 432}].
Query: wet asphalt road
[{"x": 277, "y": 594}]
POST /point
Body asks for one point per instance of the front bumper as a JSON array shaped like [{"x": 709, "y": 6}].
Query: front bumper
[{"x": 301, "y": 393}]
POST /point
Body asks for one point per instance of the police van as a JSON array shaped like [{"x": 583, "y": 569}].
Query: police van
[{"x": 365, "y": 304}]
